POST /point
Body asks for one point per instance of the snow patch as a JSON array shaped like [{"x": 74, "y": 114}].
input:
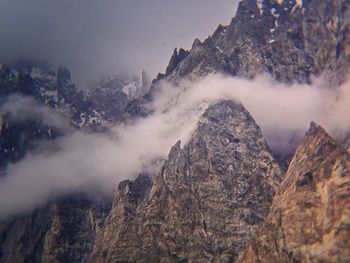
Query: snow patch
[
  {"x": 51, "y": 93},
  {"x": 14, "y": 75},
  {"x": 274, "y": 12},
  {"x": 132, "y": 89},
  {"x": 260, "y": 5},
  {"x": 82, "y": 119},
  {"x": 220, "y": 50},
  {"x": 298, "y": 4},
  {"x": 223, "y": 31},
  {"x": 36, "y": 73}
]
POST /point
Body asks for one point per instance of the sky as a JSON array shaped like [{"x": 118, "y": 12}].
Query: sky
[
  {"x": 94, "y": 37},
  {"x": 98, "y": 37}
]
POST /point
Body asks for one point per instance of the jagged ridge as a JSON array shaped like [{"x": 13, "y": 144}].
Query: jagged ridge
[
  {"x": 206, "y": 202},
  {"x": 310, "y": 215}
]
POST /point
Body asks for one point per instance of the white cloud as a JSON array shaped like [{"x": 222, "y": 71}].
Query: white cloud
[
  {"x": 96, "y": 162},
  {"x": 21, "y": 108}
]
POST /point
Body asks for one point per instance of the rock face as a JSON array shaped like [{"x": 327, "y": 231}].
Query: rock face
[
  {"x": 62, "y": 231},
  {"x": 310, "y": 216},
  {"x": 206, "y": 202},
  {"x": 112, "y": 100},
  {"x": 215, "y": 192},
  {"x": 121, "y": 237},
  {"x": 290, "y": 40}
]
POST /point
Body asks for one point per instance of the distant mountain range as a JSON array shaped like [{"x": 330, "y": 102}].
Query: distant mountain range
[{"x": 222, "y": 196}]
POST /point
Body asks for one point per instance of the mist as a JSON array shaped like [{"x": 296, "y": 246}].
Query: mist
[
  {"x": 95, "y": 38},
  {"x": 20, "y": 108},
  {"x": 94, "y": 163},
  {"x": 283, "y": 112}
]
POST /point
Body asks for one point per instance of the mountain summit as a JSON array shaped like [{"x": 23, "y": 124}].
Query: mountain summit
[
  {"x": 208, "y": 199},
  {"x": 290, "y": 40},
  {"x": 309, "y": 218},
  {"x": 220, "y": 196}
]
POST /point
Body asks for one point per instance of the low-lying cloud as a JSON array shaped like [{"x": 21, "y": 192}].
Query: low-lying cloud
[
  {"x": 283, "y": 112},
  {"x": 20, "y": 108},
  {"x": 95, "y": 162}
]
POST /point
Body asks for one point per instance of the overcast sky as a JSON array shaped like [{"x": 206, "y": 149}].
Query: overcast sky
[{"x": 107, "y": 36}]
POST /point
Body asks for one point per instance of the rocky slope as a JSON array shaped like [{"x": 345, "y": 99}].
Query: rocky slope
[
  {"x": 111, "y": 100},
  {"x": 106, "y": 101},
  {"x": 208, "y": 199},
  {"x": 120, "y": 239},
  {"x": 310, "y": 216},
  {"x": 213, "y": 193},
  {"x": 62, "y": 231},
  {"x": 290, "y": 40}
]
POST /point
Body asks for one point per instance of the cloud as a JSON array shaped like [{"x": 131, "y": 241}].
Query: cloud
[
  {"x": 96, "y": 162},
  {"x": 20, "y": 108},
  {"x": 104, "y": 37},
  {"x": 283, "y": 112}
]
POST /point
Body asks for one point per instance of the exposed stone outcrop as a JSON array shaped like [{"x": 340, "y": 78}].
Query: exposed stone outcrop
[
  {"x": 175, "y": 59},
  {"x": 207, "y": 201},
  {"x": 290, "y": 40},
  {"x": 120, "y": 239},
  {"x": 62, "y": 231},
  {"x": 310, "y": 216},
  {"x": 215, "y": 191}
]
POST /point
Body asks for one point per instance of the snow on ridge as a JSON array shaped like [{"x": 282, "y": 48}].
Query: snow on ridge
[
  {"x": 36, "y": 73},
  {"x": 274, "y": 12},
  {"x": 299, "y": 2},
  {"x": 260, "y": 5}
]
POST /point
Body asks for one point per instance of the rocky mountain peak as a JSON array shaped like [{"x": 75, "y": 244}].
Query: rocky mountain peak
[
  {"x": 175, "y": 59},
  {"x": 136, "y": 190},
  {"x": 208, "y": 199},
  {"x": 309, "y": 218},
  {"x": 222, "y": 189},
  {"x": 196, "y": 43},
  {"x": 289, "y": 40},
  {"x": 316, "y": 143},
  {"x": 317, "y": 133},
  {"x": 63, "y": 76}
]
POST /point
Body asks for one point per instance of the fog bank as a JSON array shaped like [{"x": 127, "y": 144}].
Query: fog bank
[{"x": 95, "y": 163}]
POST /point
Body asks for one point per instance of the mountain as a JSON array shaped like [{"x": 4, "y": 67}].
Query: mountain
[
  {"x": 309, "y": 219},
  {"x": 34, "y": 103},
  {"x": 289, "y": 40},
  {"x": 221, "y": 197},
  {"x": 208, "y": 199},
  {"x": 61, "y": 231},
  {"x": 111, "y": 100}
]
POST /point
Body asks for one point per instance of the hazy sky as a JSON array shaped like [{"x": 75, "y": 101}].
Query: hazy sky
[{"x": 107, "y": 36}]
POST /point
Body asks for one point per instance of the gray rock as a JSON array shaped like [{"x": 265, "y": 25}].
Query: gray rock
[
  {"x": 291, "y": 42},
  {"x": 206, "y": 202}
]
